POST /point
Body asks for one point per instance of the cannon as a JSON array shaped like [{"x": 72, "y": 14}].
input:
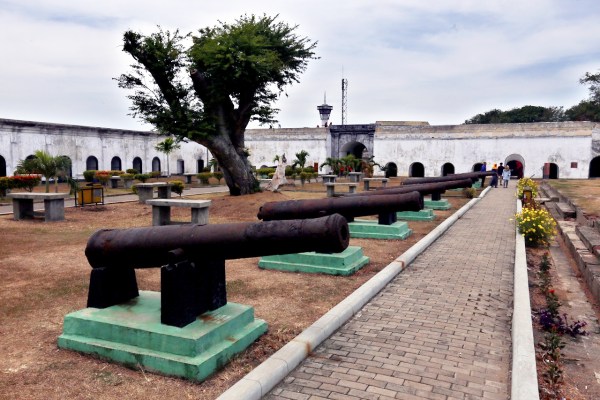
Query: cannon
[
  {"x": 474, "y": 176},
  {"x": 385, "y": 206},
  {"x": 434, "y": 189},
  {"x": 192, "y": 259}
]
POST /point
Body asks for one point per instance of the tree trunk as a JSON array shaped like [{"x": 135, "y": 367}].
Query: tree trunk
[{"x": 234, "y": 163}]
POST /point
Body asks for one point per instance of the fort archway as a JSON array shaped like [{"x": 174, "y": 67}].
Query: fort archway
[
  {"x": 477, "y": 167},
  {"x": 115, "y": 164},
  {"x": 352, "y": 139},
  {"x": 391, "y": 169},
  {"x": 155, "y": 164},
  {"x": 447, "y": 169},
  {"x": 517, "y": 165},
  {"x": 91, "y": 164},
  {"x": 137, "y": 164},
  {"x": 416, "y": 170},
  {"x": 2, "y": 166}
]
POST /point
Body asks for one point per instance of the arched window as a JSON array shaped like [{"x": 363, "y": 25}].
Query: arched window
[
  {"x": 416, "y": 170},
  {"x": 137, "y": 164},
  {"x": 2, "y": 166},
  {"x": 447, "y": 169},
  {"x": 477, "y": 167},
  {"x": 155, "y": 164},
  {"x": 391, "y": 169},
  {"x": 115, "y": 164},
  {"x": 91, "y": 163},
  {"x": 595, "y": 167}
]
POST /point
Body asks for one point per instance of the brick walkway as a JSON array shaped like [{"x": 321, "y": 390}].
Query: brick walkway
[{"x": 439, "y": 330}]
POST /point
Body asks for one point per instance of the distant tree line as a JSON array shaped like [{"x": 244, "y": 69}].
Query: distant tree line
[{"x": 586, "y": 110}]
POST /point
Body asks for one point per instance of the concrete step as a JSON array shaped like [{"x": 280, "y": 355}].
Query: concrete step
[
  {"x": 565, "y": 210},
  {"x": 590, "y": 237}
]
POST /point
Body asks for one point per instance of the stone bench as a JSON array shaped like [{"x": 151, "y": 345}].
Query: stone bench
[
  {"x": 54, "y": 205},
  {"x": 367, "y": 181},
  {"x": 354, "y": 176},
  {"x": 188, "y": 177},
  {"x": 145, "y": 191},
  {"x": 331, "y": 187},
  {"x": 329, "y": 178},
  {"x": 161, "y": 210}
]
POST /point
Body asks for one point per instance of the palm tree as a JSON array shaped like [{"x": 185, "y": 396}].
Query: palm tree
[
  {"x": 350, "y": 161},
  {"x": 167, "y": 146},
  {"x": 300, "y": 159},
  {"x": 47, "y": 165},
  {"x": 332, "y": 162}
]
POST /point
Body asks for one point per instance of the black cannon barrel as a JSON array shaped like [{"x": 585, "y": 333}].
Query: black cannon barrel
[
  {"x": 423, "y": 188},
  {"x": 474, "y": 176},
  {"x": 349, "y": 207},
  {"x": 159, "y": 245}
]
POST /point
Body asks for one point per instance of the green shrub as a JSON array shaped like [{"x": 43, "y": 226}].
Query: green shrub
[
  {"x": 155, "y": 174},
  {"x": 177, "y": 186},
  {"x": 116, "y": 173},
  {"x": 308, "y": 169},
  {"x": 132, "y": 171},
  {"x": 527, "y": 182},
  {"x": 469, "y": 192},
  {"x": 89, "y": 175},
  {"x": 218, "y": 176},
  {"x": 271, "y": 175},
  {"x": 126, "y": 176},
  {"x": 303, "y": 177},
  {"x": 265, "y": 171},
  {"x": 142, "y": 177},
  {"x": 206, "y": 169},
  {"x": 203, "y": 177}
]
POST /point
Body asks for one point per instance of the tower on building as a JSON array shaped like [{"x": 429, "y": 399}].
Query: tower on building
[{"x": 324, "y": 111}]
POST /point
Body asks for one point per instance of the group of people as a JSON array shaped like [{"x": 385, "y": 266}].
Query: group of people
[{"x": 501, "y": 172}]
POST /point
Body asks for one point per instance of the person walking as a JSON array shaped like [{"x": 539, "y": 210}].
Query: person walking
[
  {"x": 505, "y": 177},
  {"x": 483, "y": 169},
  {"x": 494, "y": 182},
  {"x": 500, "y": 170}
]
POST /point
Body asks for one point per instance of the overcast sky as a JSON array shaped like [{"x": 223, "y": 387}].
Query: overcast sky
[{"x": 436, "y": 61}]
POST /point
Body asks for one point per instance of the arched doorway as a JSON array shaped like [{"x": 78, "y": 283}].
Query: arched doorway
[
  {"x": 516, "y": 163},
  {"x": 2, "y": 166},
  {"x": 199, "y": 165},
  {"x": 137, "y": 164},
  {"x": 416, "y": 170},
  {"x": 354, "y": 148},
  {"x": 447, "y": 169},
  {"x": 550, "y": 171},
  {"x": 155, "y": 164},
  {"x": 91, "y": 164},
  {"x": 595, "y": 167},
  {"x": 477, "y": 167},
  {"x": 115, "y": 164},
  {"x": 180, "y": 167},
  {"x": 391, "y": 169}
]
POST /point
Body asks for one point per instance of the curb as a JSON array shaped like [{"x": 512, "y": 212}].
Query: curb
[
  {"x": 524, "y": 383},
  {"x": 273, "y": 370}
]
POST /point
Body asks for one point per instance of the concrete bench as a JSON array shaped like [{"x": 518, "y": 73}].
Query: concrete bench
[
  {"x": 329, "y": 178},
  {"x": 367, "y": 181},
  {"x": 54, "y": 205},
  {"x": 145, "y": 191},
  {"x": 354, "y": 176},
  {"x": 188, "y": 177},
  {"x": 161, "y": 210},
  {"x": 331, "y": 187}
]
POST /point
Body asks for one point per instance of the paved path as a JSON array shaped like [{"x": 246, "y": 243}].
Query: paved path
[
  {"x": 439, "y": 330},
  {"x": 8, "y": 208}
]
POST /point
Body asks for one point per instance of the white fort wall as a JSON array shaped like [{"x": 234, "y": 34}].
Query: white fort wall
[
  {"x": 20, "y": 139},
  {"x": 570, "y": 145}
]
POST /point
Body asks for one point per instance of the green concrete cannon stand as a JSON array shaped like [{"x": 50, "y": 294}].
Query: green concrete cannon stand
[
  {"x": 437, "y": 204},
  {"x": 345, "y": 263},
  {"x": 369, "y": 229},
  {"x": 132, "y": 334},
  {"x": 422, "y": 215}
]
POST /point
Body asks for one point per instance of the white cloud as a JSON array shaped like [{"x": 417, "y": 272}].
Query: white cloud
[{"x": 405, "y": 60}]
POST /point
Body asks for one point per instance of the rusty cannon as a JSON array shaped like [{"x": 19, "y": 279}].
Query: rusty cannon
[
  {"x": 473, "y": 176},
  {"x": 192, "y": 259},
  {"x": 384, "y": 206},
  {"x": 434, "y": 189}
]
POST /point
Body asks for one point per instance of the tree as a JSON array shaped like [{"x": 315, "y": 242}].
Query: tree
[
  {"x": 44, "y": 164},
  {"x": 523, "y": 114},
  {"x": 300, "y": 159},
  {"x": 209, "y": 91},
  {"x": 167, "y": 146},
  {"x": 587, "y": 110},
  {"x": 333, "y": 163}
]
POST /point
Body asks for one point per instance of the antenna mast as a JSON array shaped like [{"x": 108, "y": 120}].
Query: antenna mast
[{"x": 344, "y": 99}]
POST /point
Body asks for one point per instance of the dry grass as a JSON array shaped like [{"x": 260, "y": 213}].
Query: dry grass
[{"x": 44, "y": 275}]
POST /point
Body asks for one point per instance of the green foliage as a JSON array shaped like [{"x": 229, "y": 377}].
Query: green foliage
[
  {"x": 155, "y": 174},
  {"x": 524, "y": 183},
  {"x": 303, "y": 177},
  {"x": 218, "y": 176},
  {"x": 89, "y": 175},
  {"x": 300, "y": 159},
  {"x": 132, "y": 171},
  {"x": 469, "y": 192},
  {"x": 333, "y": 163},
  {"x": 47, "y": 165},
  {"x": 519, "y": 115},
  {"x": 204, "y": 177},
  {"x": 265, "y": 171},
  {"x": 586, "y": 110},
  {"x": 167, "y": 146},
  {"x": 177, "y": 186},
  {"x": 209, "y": 92},
  {"x": 142, "y": 177},
  {"x": 536, "y": 225},
  {"x": 103, "y": 176},
  {"x": 126, "y": 176}
]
